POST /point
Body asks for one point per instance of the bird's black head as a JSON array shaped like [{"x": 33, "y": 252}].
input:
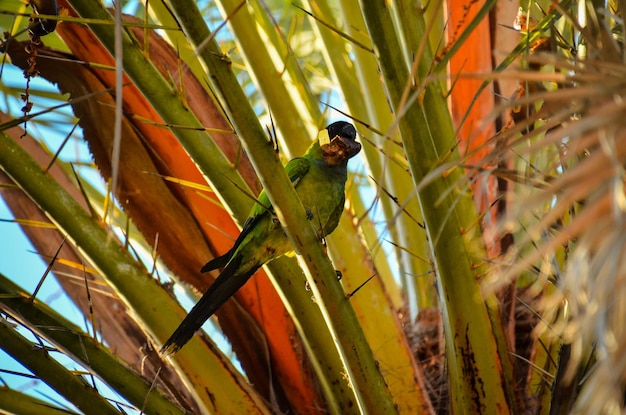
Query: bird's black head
[
  {"x": 342, "y": 145},
  {"x": 342, "y": 129}
]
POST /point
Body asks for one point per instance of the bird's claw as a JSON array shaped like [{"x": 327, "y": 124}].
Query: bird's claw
[{"x": 309, "y": 214}]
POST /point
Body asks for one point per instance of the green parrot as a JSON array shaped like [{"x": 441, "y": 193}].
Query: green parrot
[{"x": 319, "y": 178}]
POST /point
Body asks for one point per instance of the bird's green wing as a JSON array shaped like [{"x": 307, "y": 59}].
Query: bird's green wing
[{"x": 295, "y": 169}]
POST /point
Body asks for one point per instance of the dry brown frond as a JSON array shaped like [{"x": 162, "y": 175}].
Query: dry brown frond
[{"x": 570, "y": 231}]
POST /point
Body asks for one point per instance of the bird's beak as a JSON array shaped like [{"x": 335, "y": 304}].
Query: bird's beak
[{"x": 340, "y": 149}]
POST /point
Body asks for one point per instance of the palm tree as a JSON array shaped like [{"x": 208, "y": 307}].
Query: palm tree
[{"x": 465, "y": 254}]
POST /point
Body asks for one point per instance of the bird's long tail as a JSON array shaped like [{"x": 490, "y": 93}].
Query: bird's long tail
[
  {"x": 218, "y": 293},
  {"x": 219, "y": 262}
]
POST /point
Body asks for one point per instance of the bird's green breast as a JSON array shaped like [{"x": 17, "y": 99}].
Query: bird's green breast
[{"x": 322, "y": 192}]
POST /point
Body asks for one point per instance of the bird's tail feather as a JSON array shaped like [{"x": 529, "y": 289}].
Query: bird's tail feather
[
  {"x": 219, "y": 262},
  {"x": 218, "y": 293}
]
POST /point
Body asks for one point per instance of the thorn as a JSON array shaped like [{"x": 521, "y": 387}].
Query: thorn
[
  {"x": 48, "y": 269},
  {"x": 337, "y": 31},
  {"x": 153, "y": 385},
  {"x": 155, "y": 254},
  {"x": 396, "y": 201},
  {"x": 321, "y": 235},
  {"x": 56, "y": 154},
  {"x": 250, "y": 196},
  {"x": 92, "y": 316},
  {"x": 361, "y": 286},
  {"x": 272, "y": 134},
  {"x": 356, "y": 120}
]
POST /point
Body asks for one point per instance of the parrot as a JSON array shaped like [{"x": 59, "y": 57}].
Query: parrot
[{"x": 319, "y": 178}]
